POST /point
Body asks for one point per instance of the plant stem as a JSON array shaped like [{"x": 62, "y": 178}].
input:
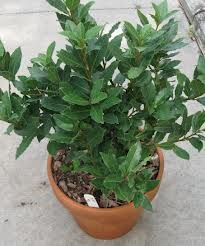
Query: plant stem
[
  {"x": 186, "y": 138},
  {"x": 85, "y": 61}
]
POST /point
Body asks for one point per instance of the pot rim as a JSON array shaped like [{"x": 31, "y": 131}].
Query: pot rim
[{"x": 66, "y": 199}]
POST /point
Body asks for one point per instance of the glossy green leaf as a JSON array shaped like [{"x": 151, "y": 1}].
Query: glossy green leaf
[
  {"x": 181, "y": 152},
  {"x": 201, "y": 100},
  {"x": 51, "y": 49},
  {"x": 72, "y": 4},
  {"x": 95, "y": 136},
  {"x": 138, "y": 199},
  {"x": 58, "y": 4},
  {"x": 196, "y": 143},
  {"x": 53, "y": 103},
  {"x": 111, "y": 118},
  {"x": 134, "y": 72},
  {"x": 198, "y": 120},
  {"x": 110, "y": 161},
  {"x": 167, "y": 146},
  {"x": 72, "y": 96},
  {"x": 53, "y": 147},
  {"x": 2, "y": 50},
  {"x": 110, "y": 102},
  {"x": 96, "y": 114},
  {"x": 146, "y": 204},
  {"x": 15, "y": 61},
  {"x": 93, "y": 32},
  {"x": 63, "y": 122},
  {"x": 112, "y": 180},
  {"x": 201, "y": 64},
  {"x": 69, "y": 59},
  {"x": 142, "y": 17},
  {"x": 24, "y": 145},
  {"x": 133, "y": 156}
]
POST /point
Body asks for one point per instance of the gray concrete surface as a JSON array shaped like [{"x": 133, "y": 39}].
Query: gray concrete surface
[{"x": 179, "y": 210}]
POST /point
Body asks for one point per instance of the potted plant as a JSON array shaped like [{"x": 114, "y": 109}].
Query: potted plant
[{"x": 107, "y": 111}]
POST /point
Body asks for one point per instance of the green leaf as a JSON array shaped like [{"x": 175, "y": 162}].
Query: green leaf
[
  {"x": 95, "y": 136},
  {"x": 77, "y": 113},
  {"x": 96, "y": 113},
  {"x": 93, "y": 32},
  {"x": 110, "y": 161},
  {"x": 164, "y": 127},
  {"x": 111, "y": 181},
  {"x": 50, "y": 49},
  {"x": 5, "y": 107},
  {"x": 149, "y": 93},
  {"x": 69, "y": 59},
  {"x": 165, "y": 112},
  {"x": 133, "y": 156},
  {"x": 94, "y": 170},
  {"x": 60, "y": 137},
  {"x": 53, "y": 147},
  {"x": 166, "y": 146},
  {"x": 123, "y": 192},
  {"x": 63, "y": 122},
  {"x": 150, "y": 185},
  {"x": 138, "y": 199},
  {"x": 142, "y": 18},
  {"x": 2, "y": 50},
  {"x": 163, "y": 95},
  {"x": 109, "y": 71},
  {"x": 24, "y": 145},
  {"x": 181, "y": 152},
  {"x": 197, "y": 88},
  {"x": 159, "y": 136},
  {"x": 119, "y": 79},
  {"x": 196, "y": 143},
  {"x": 161, "y": 11},
  {"x": 110, "y": 102},
  {"x": 72, "y": 4},
  {"x": 96, "y": 95},
  {"x": 201, "y": 64},
  {"x": 15, "y": 61},
  {"x": 9, "y": 129},
  {"x": 201, "y": 100},
  {"x": 111, "y": 118},
  {"x": 114, "y": 48},
  {"x": 53, "y": 75},
  {"x": 135, "y": 72},
  {"x": 84, "y": 9},
  {"x": 198, "y": 120},
  {"x": 53, "y": 103},
  {"x": 58, "y": 4},
  {"x": 146, "y": 204},
  {"x": 30, "y": 128},
  {"x": 131, "y": 32},
  {"x": 37, "y": 73},
  {"x": 114, "y": 28},
  {"x": 73, "y": 97}
]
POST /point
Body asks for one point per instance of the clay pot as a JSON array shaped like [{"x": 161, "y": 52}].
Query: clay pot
[{"x": 103, "y": 223}]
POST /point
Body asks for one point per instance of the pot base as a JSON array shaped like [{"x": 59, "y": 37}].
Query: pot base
[{"x": 103, "y": 223}]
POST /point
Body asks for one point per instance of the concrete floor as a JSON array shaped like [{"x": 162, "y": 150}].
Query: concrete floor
[{"x": 179, "y": 210}]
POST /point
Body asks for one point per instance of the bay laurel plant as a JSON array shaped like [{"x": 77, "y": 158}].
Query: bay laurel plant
[{"x": 109, "y": 106}]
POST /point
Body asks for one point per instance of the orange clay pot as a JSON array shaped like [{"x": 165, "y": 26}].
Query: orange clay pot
[{"x": 103, "y": 223}]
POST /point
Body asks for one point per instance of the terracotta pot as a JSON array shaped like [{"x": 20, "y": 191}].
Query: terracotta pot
[{"x": 103, "y": 223}]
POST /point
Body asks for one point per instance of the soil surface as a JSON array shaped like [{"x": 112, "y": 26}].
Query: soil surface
[{"x": 75, "y": 185}]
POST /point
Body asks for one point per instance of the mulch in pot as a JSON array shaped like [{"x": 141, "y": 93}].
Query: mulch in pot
[{"x": 76, "y": 184}]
